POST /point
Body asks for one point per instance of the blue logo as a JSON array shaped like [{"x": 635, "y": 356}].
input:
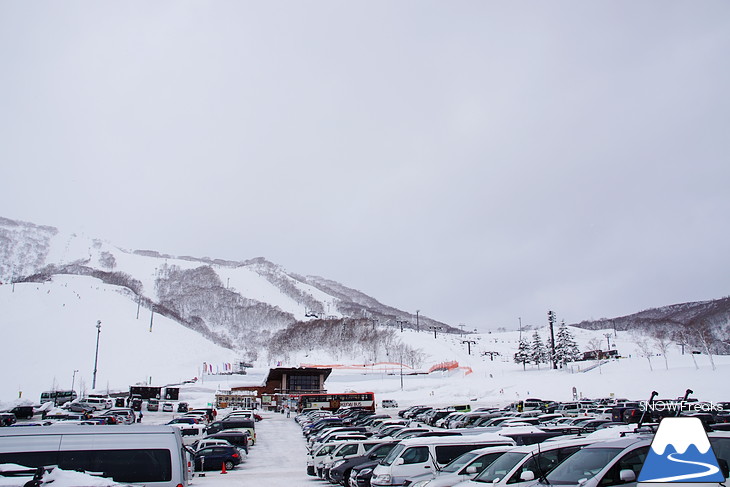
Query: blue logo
[{"x": 681, "y": 452}]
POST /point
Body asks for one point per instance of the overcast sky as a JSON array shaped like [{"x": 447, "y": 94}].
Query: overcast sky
[{"x": 478, "y": 161}]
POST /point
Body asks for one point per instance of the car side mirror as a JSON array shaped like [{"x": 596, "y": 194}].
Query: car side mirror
[
  {"x": 471, "y": 470},
  {"x": 400, "y": 461},
  {"x": 627, "y": 475},
  {"x": 527, "y": 475}
]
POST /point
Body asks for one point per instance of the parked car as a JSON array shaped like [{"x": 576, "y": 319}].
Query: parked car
[
  {"x": 208, "y": 442},
  {"x": 236, "y": 437},
  {"x": 184, "y": 420},
  {"x": 182, "y": 407},
  {"x": 603, "y": 463},
  {"x": 167, "y": 407},
  {"x": 153, "y": 404},
  {"x": 136, "y": 403},
  {"x": 210, "y": 413},
  {"x": 521, "y": 466},
  {"x": 246, "y": 424},
  {"x": 23, "y": 412},
  {"x": 6, "y": 419},
  {"x": 214, "y": 457},
  {"x": 341, "y": 470},
  {"x": 344, "y": 451},
  {"x": 138, "y": 454},
  {"x": 462, "y": 468},
  {"x": 123, "y": 415},
  {"x": 410, "y": 457},
  {"x": 389, "y": 403},
  {"x": 202, "y": 416},
  {"x": 190, "y": 433}
]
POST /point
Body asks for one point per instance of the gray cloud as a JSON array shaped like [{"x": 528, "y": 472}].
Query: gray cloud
[{"x": 478, "y": 161}]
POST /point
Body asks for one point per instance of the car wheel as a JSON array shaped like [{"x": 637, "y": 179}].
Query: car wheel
[{"x": 229, "y": 465}]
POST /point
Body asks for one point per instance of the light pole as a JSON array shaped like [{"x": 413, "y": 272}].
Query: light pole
[
  {"x": 73, "y": 380},
  {"x": 96, "y": 356}
]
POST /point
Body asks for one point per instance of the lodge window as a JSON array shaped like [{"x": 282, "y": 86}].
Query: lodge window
[{"x": 303, "y": 383}]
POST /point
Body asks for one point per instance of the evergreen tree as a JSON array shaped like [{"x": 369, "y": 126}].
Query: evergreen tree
[
  {"x": 523, "y": 353},
  {"x": 538, "y": 351},
  {"x": 566, "y": 350}
]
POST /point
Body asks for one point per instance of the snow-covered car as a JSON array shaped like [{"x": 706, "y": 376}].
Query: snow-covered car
[
  {"x": 206, "y": 442},
  {"x": 12, "y": 475},
  {"x": 464, "y": 467},
  {"x": 521, "y": 466}
]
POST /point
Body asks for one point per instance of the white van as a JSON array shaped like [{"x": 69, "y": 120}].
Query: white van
[
  {"x": 136, "y": 454},
  {"x": 416, "y": 456},
  {"x": 97, "y": 402}
]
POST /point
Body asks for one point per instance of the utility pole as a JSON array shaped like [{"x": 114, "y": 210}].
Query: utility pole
[
  {"x": 96, "y": 356},
  {"x": 551, "y": 322},
  {"x": 468, "y": 344},
  {"x": 520, "y": 320},
  {"x": 151, "y": 318},
  {"x": 418, "y": 325}
]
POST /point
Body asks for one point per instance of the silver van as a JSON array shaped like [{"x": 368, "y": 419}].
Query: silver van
[
  {"x": 136, "y": 454},
  {"x": 416, "y": 456}
]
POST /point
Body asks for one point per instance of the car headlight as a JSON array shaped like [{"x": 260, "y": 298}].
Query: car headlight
[
  {"x": 337, "y": 463},
  {"x": 365, "y": 471},
  {"x": 383, "y": 478}
]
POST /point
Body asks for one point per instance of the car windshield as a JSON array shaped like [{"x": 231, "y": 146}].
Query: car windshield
[
  {"x": 500, "y": 467},
  {"x": 583, "y": 464},
  {"x": 325, "y": 450},
  {"x": 394, "y": 453},
  {"x": 459, "y": 462}
]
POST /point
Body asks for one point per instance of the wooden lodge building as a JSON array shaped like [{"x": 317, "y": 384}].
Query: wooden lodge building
[{"x": 280, "y": 384}]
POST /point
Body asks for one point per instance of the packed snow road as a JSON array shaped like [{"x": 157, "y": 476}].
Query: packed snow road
[{"x": 277, "y": 460}]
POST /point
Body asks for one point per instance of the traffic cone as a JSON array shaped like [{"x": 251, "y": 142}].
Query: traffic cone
[{"x": 223, "y": 470}]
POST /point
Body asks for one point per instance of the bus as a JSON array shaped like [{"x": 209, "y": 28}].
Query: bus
[
  {"x": 333, "y": 402},
  {"x": 58, "y": 397}
]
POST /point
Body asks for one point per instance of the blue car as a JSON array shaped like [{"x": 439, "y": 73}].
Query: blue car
[{"x": 214, "y": 457}]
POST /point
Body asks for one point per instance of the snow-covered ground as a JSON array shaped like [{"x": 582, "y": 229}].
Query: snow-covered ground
[{"x": 49, "y": 331}]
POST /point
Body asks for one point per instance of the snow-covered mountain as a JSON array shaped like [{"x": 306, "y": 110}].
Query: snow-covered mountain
[
  {"x": 234, "y": 304},
  {"x": 703, "y": 325},
  {"x": 162, "y": 317}
]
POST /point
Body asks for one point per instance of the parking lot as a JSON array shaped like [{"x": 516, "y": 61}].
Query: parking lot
[{"x": 277, "y": 460}]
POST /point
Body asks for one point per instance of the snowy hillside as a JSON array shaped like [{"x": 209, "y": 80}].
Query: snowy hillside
[
  {"x": 235, "y": 304},
  {"x": 49, "y": 331}
]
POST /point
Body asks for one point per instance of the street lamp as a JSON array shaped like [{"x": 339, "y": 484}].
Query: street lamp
[
  {"x": 73, "y": 380},
  {"x": 96, "y": 357}
]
